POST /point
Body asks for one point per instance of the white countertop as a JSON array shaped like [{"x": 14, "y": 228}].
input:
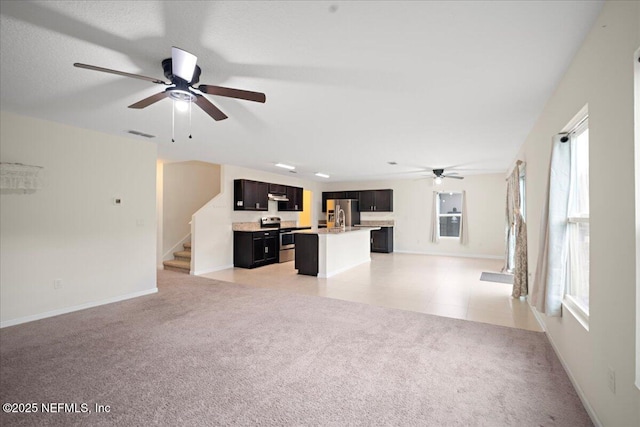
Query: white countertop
[{"x": 328, "y": 231}]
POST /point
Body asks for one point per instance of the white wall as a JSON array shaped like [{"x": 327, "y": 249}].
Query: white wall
[
  {"x": 212, "y": 244},
  {"x": 601, "y": 75},
  {"x": 70, "y": 229},
  {"x": 412, "y": 202},
  {"x": 187, "y": 186}
]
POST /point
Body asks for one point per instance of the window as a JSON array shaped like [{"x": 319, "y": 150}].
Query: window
[
  {"x": 578, "y": 221},
  {"x": 449, "y": 214}
]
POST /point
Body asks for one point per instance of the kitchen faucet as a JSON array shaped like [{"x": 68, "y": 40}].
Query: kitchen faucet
[{"x": 340, "y": 222}]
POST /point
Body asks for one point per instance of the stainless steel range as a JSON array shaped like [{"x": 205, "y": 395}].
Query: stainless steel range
[{"x": 286, "y": 240}]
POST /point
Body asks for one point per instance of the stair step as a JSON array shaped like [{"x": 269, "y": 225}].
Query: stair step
[
  {"x": 182, "y": 255},
  {"x": 187, "y": 246},
  {"x": 177, "y": 265}
]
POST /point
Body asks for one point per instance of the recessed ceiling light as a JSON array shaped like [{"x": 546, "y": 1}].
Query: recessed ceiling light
[
  {"x": 392, "y": 163},
  {"x": 322, "y": 175},
  {"x": 282, "y": 165}
]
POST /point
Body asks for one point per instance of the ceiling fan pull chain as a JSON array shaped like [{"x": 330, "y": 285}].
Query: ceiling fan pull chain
[
  {"x": 173, "y": 122},
  {"x": 190, "y": 104}
]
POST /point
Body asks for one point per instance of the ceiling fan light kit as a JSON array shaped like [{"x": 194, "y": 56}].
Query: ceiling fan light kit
[
  {"x": 439, "y": 175},
  {"x": 183, "y": 72}
]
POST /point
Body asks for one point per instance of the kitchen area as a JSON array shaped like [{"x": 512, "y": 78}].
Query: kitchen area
[{"x": 340, "y": 241}]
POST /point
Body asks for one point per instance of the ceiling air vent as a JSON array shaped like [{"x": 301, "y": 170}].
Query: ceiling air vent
[{"x": 146, "y": 135}]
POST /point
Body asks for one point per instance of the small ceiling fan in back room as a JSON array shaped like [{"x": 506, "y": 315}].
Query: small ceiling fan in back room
[
  {"x": 438, "y": 175},
  {"x": 184, "y": 74}
]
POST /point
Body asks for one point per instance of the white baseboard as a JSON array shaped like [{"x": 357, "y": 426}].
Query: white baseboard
[
  {"x": 66, "y": 310},
  {"x": 581, "y": 395},
  {"x": 212, "y": 270},
  {"x": 538, "y": 316},
  {"x": 451, "y": 254}
]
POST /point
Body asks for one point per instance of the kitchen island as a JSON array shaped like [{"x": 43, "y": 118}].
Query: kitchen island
[{"x": 326, "y": 252}]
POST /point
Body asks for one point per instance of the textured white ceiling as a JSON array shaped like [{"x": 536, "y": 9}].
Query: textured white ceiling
[{"x": 349, "y": 85}]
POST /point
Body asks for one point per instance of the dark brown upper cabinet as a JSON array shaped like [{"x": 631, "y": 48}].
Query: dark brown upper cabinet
[
  {"x": 296, "y": 197},
  {"x": 376, "y": 201},
  {"x": 277, "y": 189},
  {"x": 250, "y": 195},
  {"x": 330, "y": 195}
]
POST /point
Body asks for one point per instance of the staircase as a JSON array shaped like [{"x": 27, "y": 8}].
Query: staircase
[{"x": 181, "y": 262}]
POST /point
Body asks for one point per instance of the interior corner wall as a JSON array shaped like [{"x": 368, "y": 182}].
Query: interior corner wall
[
  {"x": 412, "y": 203},
  {"x": 600, "y": 76},
  {"x": 187, "y": 186},
  {"x": 70, "y": 229}
]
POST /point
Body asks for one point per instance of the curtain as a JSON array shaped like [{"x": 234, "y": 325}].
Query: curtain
[
  {"x": 464, "y": 233},
  {"x": 550, "y": 280},
  {"x": 513, "y": 200},
  {"x": 516, "y": 255},
  {"x": 435, "y": 221},
  {"x": 520, "y": 266},
  {"x": 520, "y": 271}
]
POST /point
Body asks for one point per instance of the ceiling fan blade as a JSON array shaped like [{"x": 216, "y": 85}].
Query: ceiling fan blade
[
  {"x": 454, "y": 177},
  {"x": 120, "y": 73},
  {"x": 209, "y": 108},
  {"x": 233, "y": 93},
  {"x": 150, "y": 100},
  {"x": 183, "y": 63}
]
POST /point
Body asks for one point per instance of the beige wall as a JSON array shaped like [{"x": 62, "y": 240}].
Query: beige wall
[
  {"x": 187, "y": 186},
  {"x": 412, "y": 203},
  {"x": 601, "y": 75},
  {"x": 70, "y": 229}
]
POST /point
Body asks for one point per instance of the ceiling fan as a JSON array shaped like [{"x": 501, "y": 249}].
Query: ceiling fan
[
  {"x": 184, "y": 74},
  {"x": 439, "y": 175}
]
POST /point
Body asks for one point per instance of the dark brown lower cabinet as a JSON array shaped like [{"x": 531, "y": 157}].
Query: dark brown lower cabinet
[
  {"x": 382, "y": 240},
  {"x": 255, "y": 248},
  {"x": 306, "y": 253}
]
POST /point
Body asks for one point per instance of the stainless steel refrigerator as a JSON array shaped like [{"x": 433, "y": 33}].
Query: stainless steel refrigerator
[{"x": 348, "y": 206}]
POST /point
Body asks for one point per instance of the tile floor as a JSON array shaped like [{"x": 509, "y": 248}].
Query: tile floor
[{"x": 443, "y": 286}]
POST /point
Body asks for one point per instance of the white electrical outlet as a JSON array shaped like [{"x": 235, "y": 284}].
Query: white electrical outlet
[
  {"x": 611, "y": 375},
  {"x": 57, "y": 283}
]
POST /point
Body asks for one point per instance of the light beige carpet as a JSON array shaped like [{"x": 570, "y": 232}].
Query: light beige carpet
[{"x": 203, "y": 352}]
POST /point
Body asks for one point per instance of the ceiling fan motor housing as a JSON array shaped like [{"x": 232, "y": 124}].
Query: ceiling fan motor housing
[
  {"x": 168, "y": 73},
  {"x": 438, "y": 172}
]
